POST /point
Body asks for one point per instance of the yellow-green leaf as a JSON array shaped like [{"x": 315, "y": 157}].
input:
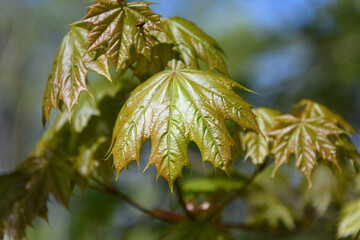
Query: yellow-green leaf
[
  {"x": 173, "y": 108},
  {"x": 306, "y": 138},
  {"x": 257, "y": 146},
  {"x": 122, "y": 26},
  {"x": 313, "y": 110},
  {"x": 350, "y": 220},
  {"x": 68, "y": 74},
  {"x": 194, "y": 44}
]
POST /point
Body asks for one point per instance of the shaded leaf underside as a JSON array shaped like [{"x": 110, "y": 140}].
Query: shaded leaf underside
[
  {"x": 173, "y": 108},
  {"x": 25, "y": 193}
]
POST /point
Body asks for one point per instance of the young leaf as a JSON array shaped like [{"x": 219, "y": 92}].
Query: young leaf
[
  {"x": 121, "y": 26},
  {"x": 350, "y": 220},
  {"x": 68, "y": 74},
  {"x": 173, "y": 108},
  {"x": 256, "y": 146},
  {"x": 306, "y": 138},
  {"x": 313, "y": 110},
  {"x": 194, "y": 44}
]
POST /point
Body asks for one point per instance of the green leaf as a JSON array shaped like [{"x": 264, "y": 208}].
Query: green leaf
[
  {"x": 194, "y": 44},
  {"x": 313, "y": 110},
  {"x": 161, "y": 57},
  {"x": 89, "y": 106},
  {"x": 346, "y": 148},
  {"x": 266, "y": 208},
  {"x": 25, "y": 193},
  {"x": 173, "y": 108},
  {"x": 257, "y": 146},
  {"x": 211, "y": 184},
  {"x": 199, "y": 230},
  {"x": 68, "y": 74},
  {"x": 326, "y": 188},
  {"x": 350, "y": 220},
  {"x": 306, "y": 138},
  {"x": 122, "y": 26}
]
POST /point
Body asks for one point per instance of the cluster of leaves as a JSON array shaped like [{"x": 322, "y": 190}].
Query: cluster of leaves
[
  {"x": 310, "y": 133},
  {"x": 175, "y": 102},
  {"x": 173, "y": 107}
]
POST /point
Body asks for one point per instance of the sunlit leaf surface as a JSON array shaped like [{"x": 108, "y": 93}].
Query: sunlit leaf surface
[
  {"x": 122, "y": 26},
  {"x": 67, "y": 78},
  {"x": 173, "y": 108}
]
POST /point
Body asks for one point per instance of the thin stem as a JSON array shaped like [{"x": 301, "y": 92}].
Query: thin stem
[
  {"x": 113, "y": 191},
  {"x": 159, "y": 214},
  {"x": 182, "y": 201},
  {"x": 247, "y": 183}
]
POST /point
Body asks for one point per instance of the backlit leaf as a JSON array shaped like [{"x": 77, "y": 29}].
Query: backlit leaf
[
  {"x": 350, "y": 220},
  {"x": 68, "y": 74},
  {"x": 194, "y": 44},
  {"x": 122, "y": 26},
  {"x": 257, "y": 146},
  {"x": 313, "y": 110},
  {"x": 173, "y": 108},
  {"x": 306, "y": 138}
]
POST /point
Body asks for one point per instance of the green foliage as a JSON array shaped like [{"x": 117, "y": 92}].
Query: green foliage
[
  {"x": 67, "y": 78},
  {"x": 350, "y": 220},
  {"x": 199, "y": 230},
  {"x": 310, "y": 133},
  {"x": 122, "y": 26},
  {"x": 194, "y": 44},
  {"x": 257, "y": 147},
  {"x": 26, "y": 192},
  {"x": 173, "y": 108},
  {"x": 175, "y": 102}
]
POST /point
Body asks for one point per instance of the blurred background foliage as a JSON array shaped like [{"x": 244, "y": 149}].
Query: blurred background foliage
[{"x": 285, "y": 50}]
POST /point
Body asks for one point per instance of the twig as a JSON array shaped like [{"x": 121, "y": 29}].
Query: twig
[
  {"x": 247, "y": 183},
  {"x": 159, "y": 214},
  {"x": 182, "y": 201}
]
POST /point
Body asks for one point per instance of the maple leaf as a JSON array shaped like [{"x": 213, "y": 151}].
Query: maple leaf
[
  {"x": 193, "y": 44},
  {"x": 313, "y": 109},
  {"x": 173, "y": 108},
  {"x": 68, "y": 74},
  {"x": 257, "y": 146},
  {"x": 306, "y": 138},
  {"x": 122, "y": 26}
]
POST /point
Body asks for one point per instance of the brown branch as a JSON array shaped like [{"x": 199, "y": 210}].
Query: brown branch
[{"x": 162, "y": 215}]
